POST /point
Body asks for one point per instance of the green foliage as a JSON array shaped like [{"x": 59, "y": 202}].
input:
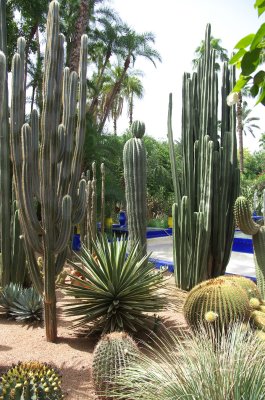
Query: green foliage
[
  {"x": 198, "y": 366},
  {"x": 249, "y": 57},
  {"x": 31, "y": 381},
  {"x": 117, "y": 291},
  {"x": 223, "y": 298},
  {"x": 21, "y": 304},
  {"x": 112, "y": 355}
]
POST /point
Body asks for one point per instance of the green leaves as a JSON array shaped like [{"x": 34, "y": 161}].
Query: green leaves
[
  {"x": 249, "y": 57},
  {"x": 245, "y": 42},
  {"x": 114, "y": 291},
  {"x": 250, "y": 61},
  {"x": 260, "y": 6}
]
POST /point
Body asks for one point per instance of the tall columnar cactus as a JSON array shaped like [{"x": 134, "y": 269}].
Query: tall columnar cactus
[
  {"x": 218, "y": 302},
  {"x": 13, "y": 265},
  {"x": 249, "y": 227},
  {"x": 112, "y": 355},
  {"x": 46, "y": 157},
  {"x": 203, "y": 225},
  {"x": 134, "y": 161}
]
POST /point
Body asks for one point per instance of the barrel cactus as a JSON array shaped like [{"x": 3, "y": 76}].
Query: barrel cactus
[
  {"x": 112, "y": 355},
  {"x": 134, "y": 160},
  {"x": 217, "y": 302},
  {"x": 248, "y": 226},
  {"x": 247, "y": 284},
  {"x": 29, "y": 381}
]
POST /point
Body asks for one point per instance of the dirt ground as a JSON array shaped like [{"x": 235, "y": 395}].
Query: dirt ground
[{"x": 72, "y": 355}]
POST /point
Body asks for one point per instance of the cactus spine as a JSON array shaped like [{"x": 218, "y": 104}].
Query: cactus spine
[
  {"x": 203, "y": 225},
  {"x": 112, "y": 355},
  {"x": 49, "y": 172},
  {"x": 12, "y": 249},
  {"x": 217, "y": 301},
  {"x": 134, "y": 161},
  {"x": 249, "y": 227},
  {"x": 31, "y": 380}
]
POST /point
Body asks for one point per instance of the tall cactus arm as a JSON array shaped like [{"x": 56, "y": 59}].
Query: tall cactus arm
[
  {"x": 80, "y": 130},
  {"x": 5, "y": 182},
  {"x": 172, "y": 153},
  {"x": 243, "y": 217},
  {"x": 259, "y": 249},
  {"x": 66, "y": 225},
  {"x": 80, "y": 205}
]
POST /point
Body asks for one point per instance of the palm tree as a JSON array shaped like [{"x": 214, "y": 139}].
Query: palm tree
[
  {"x": 221, "y": 52},
  {"x": 132, "y": 45},
  {"x": 132, "y": 87},
  {"x": 245, "y": 124}
]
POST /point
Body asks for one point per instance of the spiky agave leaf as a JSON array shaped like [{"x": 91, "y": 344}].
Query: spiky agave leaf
[
  {"x": 198, "y": 366},
  {"x": 22, "y": 304},
  {"x": 118, "y": 290},
  {"x": 9, "y": 294},
  {"x": 28, "y": 306}
]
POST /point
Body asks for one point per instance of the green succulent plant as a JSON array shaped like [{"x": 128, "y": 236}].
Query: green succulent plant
[
  {"x": 116, "y": 290},
  {"x": 218, "y": 301},
  {"x": 22, "y": 304},
  {"x": 112, "y": 355},
  {"x": 247, "y": 284},
  {"x": 31, "y": 381},
  {"x": 197, "y": 366}
]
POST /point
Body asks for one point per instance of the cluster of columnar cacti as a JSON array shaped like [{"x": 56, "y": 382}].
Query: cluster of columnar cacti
[
  {"x": 13, "y": 263},
  {"x": 203, "y": 225},
  {"x": 46, "y": 156},
  {"x": 217, "y": 301},
  {"x": 29, "y": 381},
  {"x": 134, "y": 161},
  {"x": 248, "y": 226},
  {"x": 112, "y": 355},
  {"x": 89, "y": 224}
]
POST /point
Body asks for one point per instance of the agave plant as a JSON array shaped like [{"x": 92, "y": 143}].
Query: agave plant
[
  {"x": 22, "y": 304},
  {"x": 198, "y": 367},
  {"x": 115, "y": 290}
]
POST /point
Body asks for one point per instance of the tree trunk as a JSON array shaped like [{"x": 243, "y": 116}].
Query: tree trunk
[
  {"x": 240, "y": 132},
  {"x": 131, "y": 110},
  {"x": 113, "y": 94},
  {"x": 80, "y": 29}
]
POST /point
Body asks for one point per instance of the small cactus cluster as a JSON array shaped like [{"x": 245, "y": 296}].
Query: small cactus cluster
[
  {"x": 112, "y": 355},
  {"x": 29, "y": 381}
]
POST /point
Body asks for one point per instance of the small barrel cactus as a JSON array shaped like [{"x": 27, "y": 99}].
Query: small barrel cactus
[
  {"x": 112, "y": 355},
  {"x": 247, "y": 284},
  {"x": 134, "y": 161},
  {"x": 217, "y": 302},
  {"x": 257, "y": 319},
  {"x": 29, "y": 381}
]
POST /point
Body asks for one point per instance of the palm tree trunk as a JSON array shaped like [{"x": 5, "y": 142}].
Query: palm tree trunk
[
  {"x": 240, "y": 132},
  {"x": 131, "y": 110},
  {"x": 115, "y": 126},
  {"x": 113, "y": 94},
  {"x": 80, "y": 28}
]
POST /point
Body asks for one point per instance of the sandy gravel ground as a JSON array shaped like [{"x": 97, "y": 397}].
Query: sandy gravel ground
[{"x": 72, "y": 355}]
